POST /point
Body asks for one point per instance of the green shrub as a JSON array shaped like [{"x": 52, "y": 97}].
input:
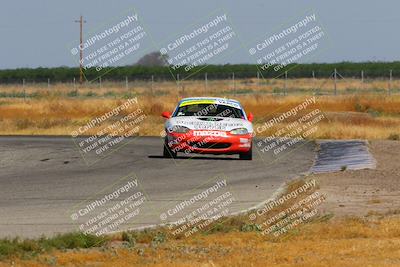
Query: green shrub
[
  {"x": 110, "y": 94},
  {"x": 29, "y": 247},
  {"x": 159, "y": 238},
  {"x": 250, "y": 228},
  {"x": 130, "y": 238},
  {"x": 73, "y": 93},
  {"x": 90, "y": 94},
  {"x": 359, "y": 108}
]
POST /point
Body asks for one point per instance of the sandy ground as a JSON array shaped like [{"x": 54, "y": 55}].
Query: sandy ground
[{"x": 365, "y": 192}]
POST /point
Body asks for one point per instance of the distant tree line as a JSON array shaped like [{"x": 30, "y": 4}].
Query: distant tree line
[{"x": 140, "y": 72}]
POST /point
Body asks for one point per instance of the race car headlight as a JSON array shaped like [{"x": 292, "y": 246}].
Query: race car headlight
[
  {"x": 239, "y": 131},
  {"x": 179, "y": 129}
]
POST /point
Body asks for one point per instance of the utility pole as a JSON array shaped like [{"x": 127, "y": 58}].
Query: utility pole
[{"x": 81, "y": 21}]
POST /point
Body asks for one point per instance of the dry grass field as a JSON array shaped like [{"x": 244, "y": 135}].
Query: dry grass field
[
  {"x": 350, "y": 242},
  {"x": 358, "y": 111}
]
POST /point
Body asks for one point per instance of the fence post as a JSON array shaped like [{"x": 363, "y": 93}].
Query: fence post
[
  {"x": 126, "y": 82},
  {"x": 362, "y": 76},
  {"x": 48, "y": 82},
  {"x": 152, "y": 84},
  {"x": 390, "y": 81},
  {"x": 178, "y": 83},
  {"x": 23, "y": 86},
  {"x": 233, "y": 83},
  {"x": 285, "y": 85},
  {"x": 205, "y": 82},
  {"x": 74, "y": 83},
  {"x": 100, "y": 81},
  {"x": 335, "y": 76},
  {"x": 314, "y": 84},
  {"x": 362, "y": 80},
  {"x": 258, "y": 78}
]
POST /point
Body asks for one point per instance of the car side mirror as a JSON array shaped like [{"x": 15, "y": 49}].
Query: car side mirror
[
  {"x": 250, "y": 117},
  {"x": 166, "y": 114}
]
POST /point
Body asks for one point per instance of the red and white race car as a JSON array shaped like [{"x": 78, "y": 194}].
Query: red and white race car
[{"x": 208, "y": 125}]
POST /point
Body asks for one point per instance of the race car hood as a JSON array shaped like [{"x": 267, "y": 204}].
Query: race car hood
[{"x": 209, "y": 123}]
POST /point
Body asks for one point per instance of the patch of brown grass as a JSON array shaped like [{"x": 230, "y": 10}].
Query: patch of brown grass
[
  {"x": 345, "y": 242},
  {"x": 374, "y": 201}
]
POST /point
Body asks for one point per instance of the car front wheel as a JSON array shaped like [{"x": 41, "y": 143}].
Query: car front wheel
[
  {"x": 246, "y": 155},
  {"x": 168, "y": 153}
]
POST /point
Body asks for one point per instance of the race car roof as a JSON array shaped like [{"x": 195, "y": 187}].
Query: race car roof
[{"x": 209, "y": 100}]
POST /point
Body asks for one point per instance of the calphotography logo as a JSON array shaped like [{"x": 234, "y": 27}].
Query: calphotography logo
[
  {"x": 200, "y": 210},
  {"x": 293, "y": 208},
  {"x": 197, "y": 46},
  {"x": 289, "y": 130},
  {"x": 112, "y": 209},
  {"x": 110, "y": 131},
  {"x": 199, "y": 133},
  {"x": 297, "y": 42}
]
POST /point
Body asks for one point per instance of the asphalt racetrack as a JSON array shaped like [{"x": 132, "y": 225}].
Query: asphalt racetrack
[{"x": 45, "y": 185}]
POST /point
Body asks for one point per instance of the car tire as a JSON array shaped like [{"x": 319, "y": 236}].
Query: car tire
[
  {"x": 168, "y": 153},
  {"x": 246, "y": 155}
]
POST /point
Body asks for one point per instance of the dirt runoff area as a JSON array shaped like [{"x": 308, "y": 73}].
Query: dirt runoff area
[{"x": 365, "y": 192}]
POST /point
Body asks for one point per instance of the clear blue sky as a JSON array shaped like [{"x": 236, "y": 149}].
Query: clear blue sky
[{"x": 37, "y": 33}]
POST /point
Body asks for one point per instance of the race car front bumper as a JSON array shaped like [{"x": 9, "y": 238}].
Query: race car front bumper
[{"x": 209, "y": 142}]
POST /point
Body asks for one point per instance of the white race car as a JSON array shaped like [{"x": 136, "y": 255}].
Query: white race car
[{"x": 208, "y": 125}]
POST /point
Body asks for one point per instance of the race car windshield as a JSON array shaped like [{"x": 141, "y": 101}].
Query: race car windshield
[{"x": 209, "y": 110}]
